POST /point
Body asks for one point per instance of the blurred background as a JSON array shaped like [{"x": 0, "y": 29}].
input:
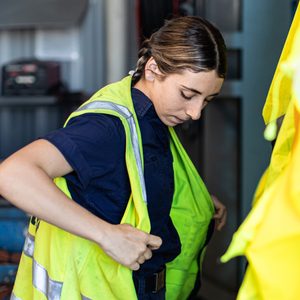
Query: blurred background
[{"x": 55, "y": 53}]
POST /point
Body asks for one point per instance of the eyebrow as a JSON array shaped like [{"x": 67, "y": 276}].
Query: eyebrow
[{"x": 198, "y": 92}]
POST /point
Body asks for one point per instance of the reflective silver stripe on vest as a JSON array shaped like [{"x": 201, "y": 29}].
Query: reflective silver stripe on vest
[
  {"x": 14, "y": 297},
  {"x": 41, "y": 281},
  {"x": 124, "y": 111},
  {"x": 29, "y": 245}
]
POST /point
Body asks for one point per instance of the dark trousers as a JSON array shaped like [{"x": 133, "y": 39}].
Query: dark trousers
[{"x": 148, "y": 288}]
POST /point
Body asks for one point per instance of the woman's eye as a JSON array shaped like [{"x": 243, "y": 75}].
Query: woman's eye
[
  {"x": 209, "y": 100},
  {"x": 185, "y": 96}
]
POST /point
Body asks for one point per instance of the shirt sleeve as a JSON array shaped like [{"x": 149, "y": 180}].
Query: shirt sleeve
[{"x": 92, "y": 144}]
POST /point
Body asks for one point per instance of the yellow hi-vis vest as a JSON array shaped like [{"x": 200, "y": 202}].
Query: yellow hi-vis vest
[{"x": 56, "y": 264}]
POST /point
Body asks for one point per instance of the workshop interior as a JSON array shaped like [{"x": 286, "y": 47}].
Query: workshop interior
[{"x": 54, "y": 54}]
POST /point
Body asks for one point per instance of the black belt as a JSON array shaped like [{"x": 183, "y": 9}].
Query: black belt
[{"x": 153, "y": 283}]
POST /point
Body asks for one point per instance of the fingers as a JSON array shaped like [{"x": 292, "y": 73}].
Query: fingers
[
  {"x": 135, "y": 266},
  {"x": 130, "y": 246},
  {"x": 219, "y": 212},
  {"x": 220, "y": 221},
  {"x": 154, "y": 242},
  {"x": 220, "y": 218},
  {"x": 145, "y": 256},
  {"x": 148, "y": 254},
  {"x": 220, "y": 215},
  {"x": 141, "y": 259}
]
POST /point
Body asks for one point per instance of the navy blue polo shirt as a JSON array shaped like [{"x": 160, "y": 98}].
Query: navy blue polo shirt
[{"x": 94, "y": 145}]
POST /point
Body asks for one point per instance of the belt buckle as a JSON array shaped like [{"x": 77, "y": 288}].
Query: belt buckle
[{"x": 159, "y": 281}]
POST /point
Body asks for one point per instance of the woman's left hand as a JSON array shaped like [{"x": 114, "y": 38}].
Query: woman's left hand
[{"x": 220, "y": 215}]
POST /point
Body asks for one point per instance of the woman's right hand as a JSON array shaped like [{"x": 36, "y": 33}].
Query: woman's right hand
[{"x": 129, "y": 246}]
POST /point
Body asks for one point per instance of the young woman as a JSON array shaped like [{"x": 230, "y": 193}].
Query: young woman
[{"x": 120, "y": 211}]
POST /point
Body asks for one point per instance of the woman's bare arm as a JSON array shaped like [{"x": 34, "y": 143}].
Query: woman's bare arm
[{"x": 26, "y": 180}]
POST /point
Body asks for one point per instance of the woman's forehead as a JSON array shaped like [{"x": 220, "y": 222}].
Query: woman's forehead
[{"x": 192, "y": 80}]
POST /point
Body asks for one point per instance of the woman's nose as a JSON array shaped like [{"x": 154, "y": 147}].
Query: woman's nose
[{"x": 194, "y": 111}]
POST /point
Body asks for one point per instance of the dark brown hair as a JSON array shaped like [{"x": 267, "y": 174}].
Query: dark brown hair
[{"x": 184, "y": 43}]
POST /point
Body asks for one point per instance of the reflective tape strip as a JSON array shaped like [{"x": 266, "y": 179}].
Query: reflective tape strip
[
  {"x": 41, "y": 281},
  {"x": 29, "y": 245},
  {"x": 124, "y": 111},
  {"x": 14, "y": 297}
]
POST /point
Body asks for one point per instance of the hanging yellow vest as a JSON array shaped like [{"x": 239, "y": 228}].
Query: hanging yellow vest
[{"x": 56, "y": 264}]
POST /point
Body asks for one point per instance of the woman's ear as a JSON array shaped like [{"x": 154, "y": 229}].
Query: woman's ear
[{"x": 151, "y": 69}]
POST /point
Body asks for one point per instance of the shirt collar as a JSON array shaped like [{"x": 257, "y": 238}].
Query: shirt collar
[{"x": 141, "y": 102}]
